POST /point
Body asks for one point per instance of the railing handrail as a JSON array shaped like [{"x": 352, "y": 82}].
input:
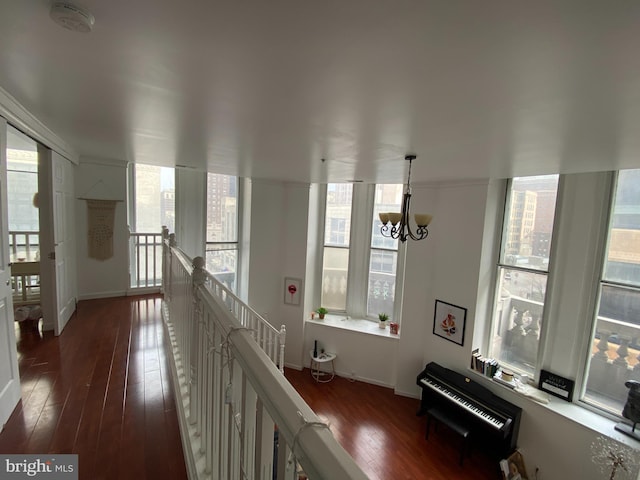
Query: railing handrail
[
  {"x": 302, "y": 436},
  {"x": 320, "y": 455},
  {"x": 145, "y": 258},
  {"x": 239, "y": 309},
  {"x": 158, "y": 235}
]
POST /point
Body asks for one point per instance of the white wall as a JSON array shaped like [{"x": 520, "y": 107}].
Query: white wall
[
  {"x": 417, "y": 304},
  {"x": 278, "y": 249},
  {"x": 369, "y": 358},
  {"x": 294, "y": 253},
  {"x": 450, "y": 265},
  {"x": 191, "y": 217},
  {"x": 457, "y": 245},
  {"x": 108, "y": 278},
  {"x": 265, "y": 244}
]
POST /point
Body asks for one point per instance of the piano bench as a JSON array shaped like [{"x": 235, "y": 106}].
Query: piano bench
[{"x": 455, "y": 424}]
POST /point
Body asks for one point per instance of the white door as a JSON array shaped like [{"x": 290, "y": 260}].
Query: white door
[
  {"x": 9, "y": 376},
  {"x": 57, "y": 234}
]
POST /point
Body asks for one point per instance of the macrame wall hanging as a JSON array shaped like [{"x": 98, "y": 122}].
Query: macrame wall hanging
[
  {"x": 100, "y": 222},
  {"x": 101, "y": 214}
]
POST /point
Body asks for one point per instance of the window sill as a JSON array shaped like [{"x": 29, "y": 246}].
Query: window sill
[
  {"x": 343, "y": 322},
  {"x": 598, "y": 422}
]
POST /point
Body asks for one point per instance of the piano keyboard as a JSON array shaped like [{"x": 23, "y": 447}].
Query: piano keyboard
[{"x": 483, "y": 415}]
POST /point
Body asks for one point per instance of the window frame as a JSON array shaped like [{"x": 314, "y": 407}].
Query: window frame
[
  {"x": 599, "y": 282},
  {"x": 362, "y": 206},
  {"x": 577, "y": 256},
  {"x": 132, "y": 191},
  {"x": 550, "y": 274},
  {"x": 226, "y": 245}
]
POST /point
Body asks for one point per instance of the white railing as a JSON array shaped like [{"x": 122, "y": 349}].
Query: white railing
[
  {"x": 519, "y": 328},
  {"x": 240, "y": 418},
  {"x": 270, "y": 339},
  {"x": 24, "y": 248},
  {"x": 24, "y": 244},
  {"x": 615, "y": 361},
  {"x": 145, "y": 259}
]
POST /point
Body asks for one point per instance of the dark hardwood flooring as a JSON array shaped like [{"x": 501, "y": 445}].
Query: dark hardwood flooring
[
  {"x": 381, "y": 431},
  {"x": 101, "y": 390}
]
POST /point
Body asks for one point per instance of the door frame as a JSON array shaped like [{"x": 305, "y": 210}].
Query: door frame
[{"x": 10, "y": 391}]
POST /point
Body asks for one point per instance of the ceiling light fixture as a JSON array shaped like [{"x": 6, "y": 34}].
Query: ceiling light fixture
[
  {"x": 396, "y": 225},
  {"x": 71, "y": 17}
]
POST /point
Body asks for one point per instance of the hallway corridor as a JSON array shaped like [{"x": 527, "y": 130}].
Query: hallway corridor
[{"x": 101, "y": 390}]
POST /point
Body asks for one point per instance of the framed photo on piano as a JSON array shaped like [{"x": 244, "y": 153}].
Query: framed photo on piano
[{"x": 449, "y": 321}]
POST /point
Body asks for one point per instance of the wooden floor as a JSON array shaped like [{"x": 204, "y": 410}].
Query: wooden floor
[
  {"x": 381, "y": 431},
  {"x": 101, "y": 390}
]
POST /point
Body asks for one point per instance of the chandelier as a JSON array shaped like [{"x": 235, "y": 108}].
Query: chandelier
[{"x": 396, "y": 225}]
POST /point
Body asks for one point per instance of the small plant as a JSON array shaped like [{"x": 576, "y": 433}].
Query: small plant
[
  {"x": 383, "y": 317},
  {"x": 322, "y": 312}
]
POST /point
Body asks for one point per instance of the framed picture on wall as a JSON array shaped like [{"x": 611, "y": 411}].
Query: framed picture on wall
[
  {"x": 449, "y": 321},
  {"x": 292, "y": 290}
]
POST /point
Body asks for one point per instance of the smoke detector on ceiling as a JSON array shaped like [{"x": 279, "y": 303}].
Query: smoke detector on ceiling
[{"x": 71, "y": 17}]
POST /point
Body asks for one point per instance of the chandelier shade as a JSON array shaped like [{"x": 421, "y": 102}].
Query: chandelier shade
[{"x": 397, "y": 224}]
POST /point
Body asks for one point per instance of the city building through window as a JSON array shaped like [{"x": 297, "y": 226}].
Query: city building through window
[{"x": 222, "y": 228}]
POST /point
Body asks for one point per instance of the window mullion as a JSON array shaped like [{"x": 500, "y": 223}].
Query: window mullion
[
  {"x": 362, "y": 207},
  {"x": 547, "y": 309}
]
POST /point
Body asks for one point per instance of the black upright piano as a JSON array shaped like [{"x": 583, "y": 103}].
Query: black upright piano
[{"x": 493, "y": 421}]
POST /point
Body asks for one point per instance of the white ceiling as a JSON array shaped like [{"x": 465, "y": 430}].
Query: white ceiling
[{"x": 476, "y": 89}]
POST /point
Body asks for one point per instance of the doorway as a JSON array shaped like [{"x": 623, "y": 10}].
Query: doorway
[{"x": 24, "y": 227}]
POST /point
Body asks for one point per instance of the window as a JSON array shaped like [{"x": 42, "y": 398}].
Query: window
[
  {"x": 155, "y": 195},
  {"x": 153, "y": 207},
  {"x": 335, "y": 265},
  {"x": 523, "y": 268},
  {"x": 359, "y": 268},
  {"x": 222, "y": 228},
  {"x": 383, "y": 257},
  {"x": 616, "y": 337},
  {"x": 22, "y": 185}
]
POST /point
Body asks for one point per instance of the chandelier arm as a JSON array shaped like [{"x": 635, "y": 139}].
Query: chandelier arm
[
  {"x": 390, "y": 231},
  {"x": 422, "y": 232}
]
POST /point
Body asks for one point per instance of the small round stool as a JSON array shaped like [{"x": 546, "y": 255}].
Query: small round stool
[{"x": 317, "y": 374}]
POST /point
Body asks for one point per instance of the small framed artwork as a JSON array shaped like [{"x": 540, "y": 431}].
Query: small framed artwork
[
  {"x": 449, "y": 321},
  {"x": 292, "y": 290}
]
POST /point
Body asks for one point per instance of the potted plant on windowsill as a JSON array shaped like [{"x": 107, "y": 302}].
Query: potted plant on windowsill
[
  {"x": 383, "y": 317},
  {"x": 322, "y": 312}
]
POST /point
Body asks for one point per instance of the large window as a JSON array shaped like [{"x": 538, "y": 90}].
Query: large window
[
  {"x": 335, "y": 265},
  {"x": 383, "y": 257},
  {"x": 615, "y": 348},
  {"x": 359, "y": 268},
  {"x": 153, "y": 207},
  {"x": 222, "y": 228},
  {"x": 523, "y": 268},
  {"x": 154, "y": 198},
  {"x": 22, "y": 186}
]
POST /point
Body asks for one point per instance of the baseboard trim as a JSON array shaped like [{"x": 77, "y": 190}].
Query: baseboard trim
[
  {"x": 293, "y": 366},
  {"x": 96, "y": 295}
]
